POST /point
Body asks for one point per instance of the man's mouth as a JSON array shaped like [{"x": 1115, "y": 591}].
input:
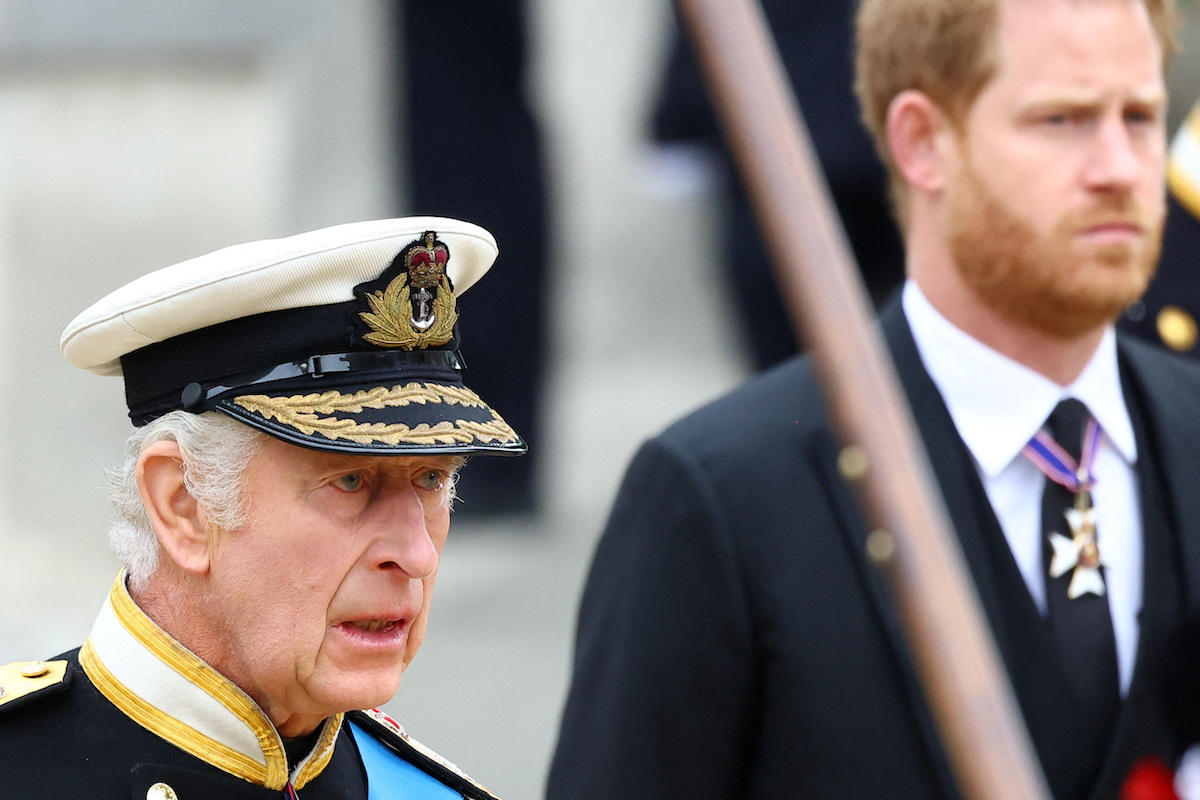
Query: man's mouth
[
  {"x": 375, "y": 625},
  {"x": 1116, "y": 225}
]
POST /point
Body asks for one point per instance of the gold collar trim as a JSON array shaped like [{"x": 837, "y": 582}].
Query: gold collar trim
[{"x": 165, "y": 688}]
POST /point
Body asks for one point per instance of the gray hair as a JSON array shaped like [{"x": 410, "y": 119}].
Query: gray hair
[{"x": 215, "y": 450}]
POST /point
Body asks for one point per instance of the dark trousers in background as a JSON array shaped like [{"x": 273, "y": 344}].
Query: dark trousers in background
[{"x": 472, "y": 150}]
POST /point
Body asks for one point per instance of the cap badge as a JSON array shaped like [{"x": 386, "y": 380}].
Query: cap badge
[{"x": 417, "y": 309}]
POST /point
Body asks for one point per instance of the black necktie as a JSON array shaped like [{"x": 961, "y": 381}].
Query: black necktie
[{"x": 1080, "y": 627}]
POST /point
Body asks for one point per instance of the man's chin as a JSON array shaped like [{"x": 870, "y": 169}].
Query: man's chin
[
  {"x": 1085, "y": 297},
  {"x": 1061, "y": 315},
  {"x": 362, "y": 690},
  {"x": 376, "y": 694},
  {"x": 1114, "y": 287}
]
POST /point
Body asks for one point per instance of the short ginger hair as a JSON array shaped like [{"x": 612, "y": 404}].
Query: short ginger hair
[{"x": 946, "y": 49}]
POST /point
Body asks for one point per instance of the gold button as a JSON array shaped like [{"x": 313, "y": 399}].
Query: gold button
[
  {"x": 1177, "y": 329},
  {"x": 160, "y": 791},
  {"x": 34, "y": 669},
  {"x": 853, "y": 463},
  {"x": 881, "y": 547}
]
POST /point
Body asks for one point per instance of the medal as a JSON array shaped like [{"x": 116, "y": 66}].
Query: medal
[{"x": 1081, "y": 551}]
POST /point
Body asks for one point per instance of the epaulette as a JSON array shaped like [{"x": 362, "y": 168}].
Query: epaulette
[
  {"x": 392, "y": 734},
  {"x": 22, "y": 682}
]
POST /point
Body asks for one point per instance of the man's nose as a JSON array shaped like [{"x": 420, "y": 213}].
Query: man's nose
[
  {"x": 1117, "y": 158},
  {"x": 404, "y": 542}
]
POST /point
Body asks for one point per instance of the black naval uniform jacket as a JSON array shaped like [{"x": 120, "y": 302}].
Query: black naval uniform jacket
[
  {"x": 133, "y": 716},
  {"x": 734, "y": 641}
]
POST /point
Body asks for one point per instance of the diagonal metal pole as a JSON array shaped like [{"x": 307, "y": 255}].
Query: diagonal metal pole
[{"x": 963, "y": 678}]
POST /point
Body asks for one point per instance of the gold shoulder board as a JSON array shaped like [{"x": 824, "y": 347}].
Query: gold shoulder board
[{"x": 22, "y": 678}]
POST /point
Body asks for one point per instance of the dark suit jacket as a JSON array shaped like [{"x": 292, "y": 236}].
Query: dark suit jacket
[{"x": 734, "y": 641}]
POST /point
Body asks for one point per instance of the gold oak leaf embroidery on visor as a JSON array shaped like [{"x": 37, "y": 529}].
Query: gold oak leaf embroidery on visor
[{"x": 312, "y": 413}]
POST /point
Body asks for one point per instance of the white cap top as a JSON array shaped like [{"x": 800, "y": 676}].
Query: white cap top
[{"x": 310, "y": 269}]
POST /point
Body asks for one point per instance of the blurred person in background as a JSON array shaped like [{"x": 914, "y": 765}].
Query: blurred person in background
[
  {"x": 1167, "y": 313},
  {"x": 815, "y": 43},
  {"x": 472, "y": 149}
]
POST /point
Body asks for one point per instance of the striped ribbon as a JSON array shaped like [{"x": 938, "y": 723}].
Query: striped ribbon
[{"x": 1058, "y": 465}]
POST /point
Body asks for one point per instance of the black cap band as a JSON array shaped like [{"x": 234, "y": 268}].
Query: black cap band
[
  {"x": 196, "y": 396},
  {"x": 159, "y": 378}
]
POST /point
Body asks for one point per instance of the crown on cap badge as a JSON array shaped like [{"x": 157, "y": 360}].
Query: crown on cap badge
[{"x": 417, "y": 309}]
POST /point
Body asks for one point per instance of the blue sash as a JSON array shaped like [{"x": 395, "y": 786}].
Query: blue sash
[{"x": 390, "y": 777}]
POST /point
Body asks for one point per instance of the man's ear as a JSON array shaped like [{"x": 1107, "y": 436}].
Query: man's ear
[
  {"x": 922, "y": 140},
  {"x": 181, "y": 527}
]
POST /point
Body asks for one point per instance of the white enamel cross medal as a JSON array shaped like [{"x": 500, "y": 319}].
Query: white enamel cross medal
[{"x": 1081, "y": 552}]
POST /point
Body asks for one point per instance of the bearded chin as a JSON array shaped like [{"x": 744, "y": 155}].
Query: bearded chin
[{"x": 1042, "y": 281}]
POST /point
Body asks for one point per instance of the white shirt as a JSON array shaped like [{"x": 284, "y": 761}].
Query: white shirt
[{"x": 997, "y": 405}]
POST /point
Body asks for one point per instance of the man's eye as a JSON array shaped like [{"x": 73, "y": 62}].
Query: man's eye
[
  {"x": 1069, "y": 119},
  {"x": 431, "y": 479},
  {"x": 350, "y": 482},
  {"x": 1141, "y": 116}
]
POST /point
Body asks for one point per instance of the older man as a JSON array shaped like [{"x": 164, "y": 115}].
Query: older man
[
  {"x": 281, "y": 511},
  {"x": 734, "y": 639}
]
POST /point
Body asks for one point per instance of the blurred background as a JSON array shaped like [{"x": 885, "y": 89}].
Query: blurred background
[{"x": 136, "y": 134}]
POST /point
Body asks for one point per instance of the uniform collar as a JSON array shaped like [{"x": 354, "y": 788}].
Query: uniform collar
[
  {"x": 999, "y": 404},
  {"x": 165, "y": 688}
]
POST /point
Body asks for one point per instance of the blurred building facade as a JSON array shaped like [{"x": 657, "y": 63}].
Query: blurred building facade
[{"x": 135, "y": 134}]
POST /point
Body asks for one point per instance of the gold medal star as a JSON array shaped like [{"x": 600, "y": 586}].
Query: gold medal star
[{"x": 1081, "y": 553}]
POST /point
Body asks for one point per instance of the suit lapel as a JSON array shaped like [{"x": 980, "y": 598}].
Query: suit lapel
[
  {"x": 1174, "y": 426},
  {"x": 954, "y": 470},
  {"x": 824, "y": 452},
  {"x": 950, "y": 462}
]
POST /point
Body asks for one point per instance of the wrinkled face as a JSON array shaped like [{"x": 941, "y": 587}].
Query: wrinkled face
[
  {"x": 1056, "y": 213},
  {"x": 323, "y": 595}
]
